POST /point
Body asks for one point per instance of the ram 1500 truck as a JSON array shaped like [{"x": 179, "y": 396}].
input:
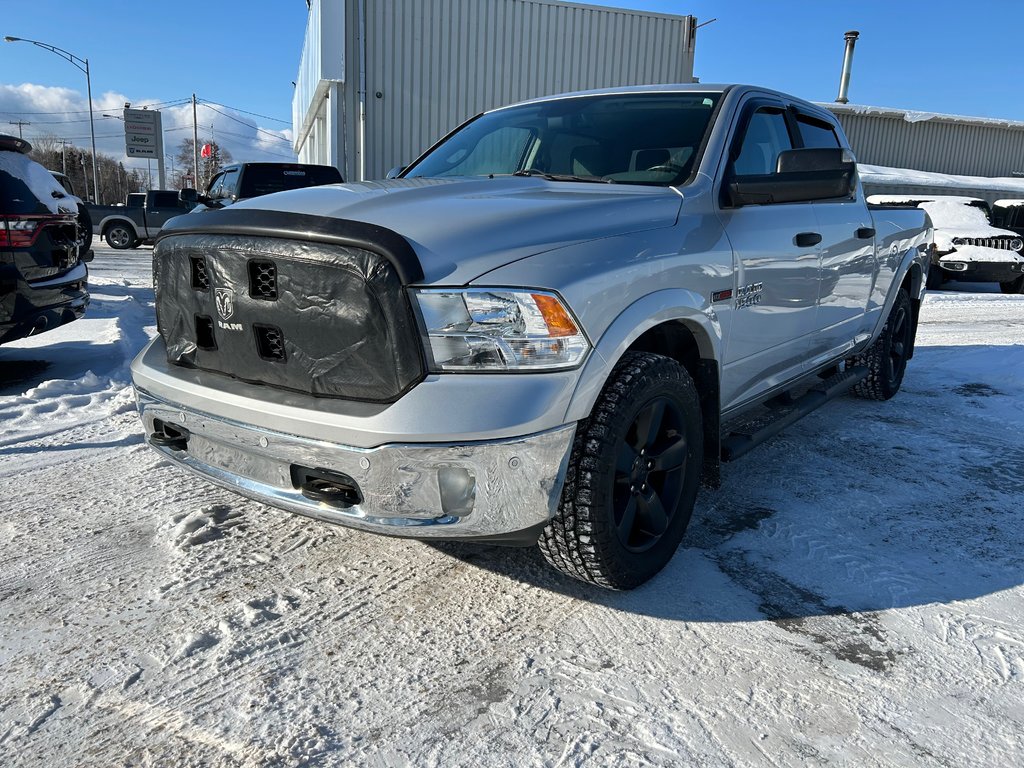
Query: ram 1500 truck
[
  {"x": 139, "y": 220},
  {"x": 545, "y": 331}
]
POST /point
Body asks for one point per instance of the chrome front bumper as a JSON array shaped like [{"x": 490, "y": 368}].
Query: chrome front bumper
[{"x": 484, "y": 489}]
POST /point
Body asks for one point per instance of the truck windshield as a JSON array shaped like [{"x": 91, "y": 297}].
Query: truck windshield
[{"x": 643, "y": 138}]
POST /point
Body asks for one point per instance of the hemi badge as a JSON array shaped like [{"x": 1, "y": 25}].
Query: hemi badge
[{"x": 721, "y": 295}]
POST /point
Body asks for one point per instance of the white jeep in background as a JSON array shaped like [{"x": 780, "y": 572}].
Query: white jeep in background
[{"x": 967, "y": 247}]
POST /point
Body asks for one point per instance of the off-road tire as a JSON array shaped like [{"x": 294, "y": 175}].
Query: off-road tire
[
  {"x": 119, "y": 237},
  {"x": 886, "y": 358},
  {"x": 1013, "y": 286},
  {"x": 583, "y": 539}
]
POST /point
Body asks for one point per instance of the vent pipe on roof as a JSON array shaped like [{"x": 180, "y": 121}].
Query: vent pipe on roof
[{"x": 844, "y": 79}]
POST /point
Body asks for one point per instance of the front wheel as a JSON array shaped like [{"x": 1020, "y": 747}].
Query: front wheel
[
  {"x": 886, "y": 358},
  {"x": 1013, "y": 286},
  {"x": 119, "y": 236},
  {"x": 632, "y": 477}
]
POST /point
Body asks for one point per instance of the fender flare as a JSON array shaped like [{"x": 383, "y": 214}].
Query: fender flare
[
  {"x": 916, "y": 255},
  {"x": 654, "y": 309}
]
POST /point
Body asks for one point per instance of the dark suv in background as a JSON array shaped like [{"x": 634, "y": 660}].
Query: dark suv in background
[{"x": 43, "y": 281}]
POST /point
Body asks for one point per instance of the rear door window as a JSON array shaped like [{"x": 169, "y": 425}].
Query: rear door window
[{"x": 817, "y": 134}]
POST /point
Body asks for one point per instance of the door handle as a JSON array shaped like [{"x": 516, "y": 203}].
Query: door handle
[
  {"x": 807, "y": 239},
  {"x": 865, "y": 233}
]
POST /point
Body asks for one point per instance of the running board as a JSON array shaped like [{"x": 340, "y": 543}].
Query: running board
[{"x": 746, "y": 437}]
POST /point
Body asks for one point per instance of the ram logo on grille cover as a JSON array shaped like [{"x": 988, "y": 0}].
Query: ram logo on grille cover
[
  {"x": 225, "y": 303},
  {"x": 225, "y": 299}
]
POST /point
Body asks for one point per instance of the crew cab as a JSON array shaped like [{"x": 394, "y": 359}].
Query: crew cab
[
  {"x": 967, "y": 247},
  {"x": 139, "y": 220},
  {"x": 242, "y": 181},
  {"x": 550, "y": 329},
  {"x": 43, "y": 280}
]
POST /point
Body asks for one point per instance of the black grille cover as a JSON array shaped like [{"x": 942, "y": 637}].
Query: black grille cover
[{"x": 340, "y": 311}]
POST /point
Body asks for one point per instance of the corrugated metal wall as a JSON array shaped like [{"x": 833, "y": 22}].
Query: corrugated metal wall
[
  {"x": 430, "y": 64},
  {"x": 940, "y": 144}
]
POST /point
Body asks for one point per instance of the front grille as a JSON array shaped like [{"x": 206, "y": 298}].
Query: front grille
[
  {"x": 200, "y": 275},
  {"x": 263, "y": 280},
  {"x": 320, "y": 318},
  {"x": 1000, "y": 243},
  {"x": 269, "y": 342}
]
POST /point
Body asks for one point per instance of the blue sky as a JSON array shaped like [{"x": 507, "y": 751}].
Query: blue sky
[{"x": 940, "y": 56}]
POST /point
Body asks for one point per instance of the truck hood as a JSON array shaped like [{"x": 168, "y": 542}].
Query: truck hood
[{"x": 462, "y": 228}]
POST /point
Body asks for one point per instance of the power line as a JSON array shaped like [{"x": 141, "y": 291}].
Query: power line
[
  {"x": 254, "y": 114},
  {"x": 247, "y": 125}
]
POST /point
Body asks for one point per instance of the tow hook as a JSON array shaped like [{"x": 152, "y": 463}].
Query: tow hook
[
  {"x": 169, "y": 436},
  {"x": 333, "y": 488}
]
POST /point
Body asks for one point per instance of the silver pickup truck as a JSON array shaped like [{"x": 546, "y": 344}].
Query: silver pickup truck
[{"x": 549, "y": 329}]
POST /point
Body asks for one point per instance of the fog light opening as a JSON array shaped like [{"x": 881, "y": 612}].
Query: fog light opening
[{"x": 458, "y": 491}]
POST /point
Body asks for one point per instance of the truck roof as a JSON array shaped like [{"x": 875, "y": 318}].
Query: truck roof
[{"x": 739, "y": 89}]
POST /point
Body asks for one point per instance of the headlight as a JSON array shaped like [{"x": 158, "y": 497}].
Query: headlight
[
  {"x": 1016, "y": 244},
  {"x": 498, "y": 329}
]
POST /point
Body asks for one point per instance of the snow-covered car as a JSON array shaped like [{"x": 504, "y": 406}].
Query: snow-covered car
[
  {"x": 967, "y": 247},
  {"x": 43, "y": 281}
]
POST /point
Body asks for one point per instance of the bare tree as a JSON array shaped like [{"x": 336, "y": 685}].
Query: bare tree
[{"x": 208, "y": 166}]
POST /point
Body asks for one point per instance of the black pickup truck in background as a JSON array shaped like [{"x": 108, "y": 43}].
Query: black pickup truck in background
[
  {"x": 241, "y": 181},
  {"x": 139, "y": 219}
]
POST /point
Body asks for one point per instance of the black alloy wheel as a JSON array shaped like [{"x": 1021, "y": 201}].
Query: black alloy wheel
[
  {"x": 649, "y": 473},
  {"x": 632, "y": 477},
  {"x": 886, "y": 359},
  {"x": 901, "y": 331}
]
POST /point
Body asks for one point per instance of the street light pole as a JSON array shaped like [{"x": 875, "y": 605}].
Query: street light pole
[{"x": 83, "y": 65}]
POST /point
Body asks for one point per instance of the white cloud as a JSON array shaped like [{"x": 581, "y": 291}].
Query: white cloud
[{"x": 64, "y": 113}]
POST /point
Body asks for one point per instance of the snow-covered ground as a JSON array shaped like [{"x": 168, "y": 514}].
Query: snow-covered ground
[{"x": 853, "y": 595}]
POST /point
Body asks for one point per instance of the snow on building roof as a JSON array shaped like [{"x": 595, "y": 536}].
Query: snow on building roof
[
  {"x": 915, "y": 116},
  {"x": 878, "y": 174}
]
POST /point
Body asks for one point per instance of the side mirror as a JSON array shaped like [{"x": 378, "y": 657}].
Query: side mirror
[
  {"x": 189, "y": 197},
  {"x": 395, "y": 172},
  {"x": 801, "y": 175}
]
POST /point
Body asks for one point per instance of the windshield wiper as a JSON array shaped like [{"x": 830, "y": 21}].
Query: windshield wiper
[{"x": 562, "y": 176}]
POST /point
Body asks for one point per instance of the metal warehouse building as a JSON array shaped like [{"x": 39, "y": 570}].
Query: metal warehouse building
[
  {"x": 381, "y": 80},
  {"x": 964, "y": 146}
]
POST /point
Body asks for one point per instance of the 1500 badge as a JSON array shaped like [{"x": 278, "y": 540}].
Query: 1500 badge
[{"x": 749, "y": 295}]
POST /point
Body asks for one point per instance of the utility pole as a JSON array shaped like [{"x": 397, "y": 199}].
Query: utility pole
[
  {"x": 195, "y": 143},
  {"x": 64, "y": 155},
  {"x": 19, "y": 123}
]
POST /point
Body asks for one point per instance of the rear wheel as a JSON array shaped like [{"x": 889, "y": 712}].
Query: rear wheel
[
  {"x": 632, "y": 477},
  {"x": 119, "y": 236},
  {"x": 1013, "y": 286},
  {"x": 886, "y": 359}
]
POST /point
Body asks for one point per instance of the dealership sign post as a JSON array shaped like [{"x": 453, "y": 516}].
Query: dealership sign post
[{"x": 144, "y": 137}]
